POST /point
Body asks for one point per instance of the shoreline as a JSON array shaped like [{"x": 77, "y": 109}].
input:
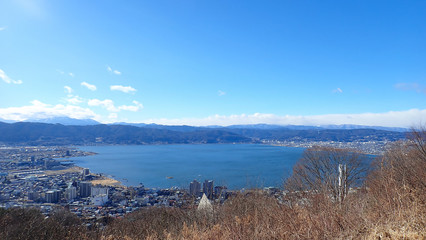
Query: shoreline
[
  {"x": 106, "y": 180},
  {"x": 100, "y": 178}
]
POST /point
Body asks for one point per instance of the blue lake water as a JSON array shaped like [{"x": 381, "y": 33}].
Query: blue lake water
[{"x": 233, "y": 165}]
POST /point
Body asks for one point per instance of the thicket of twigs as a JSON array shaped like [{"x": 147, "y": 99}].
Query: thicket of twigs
[{"x": 390, "y": 205}]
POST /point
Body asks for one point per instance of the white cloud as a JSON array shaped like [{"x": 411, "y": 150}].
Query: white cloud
[
  {"x": 71, "y": 74},
  {"x": 2, "y": 28},
  {"x": 108, "y": 104},
  {"x": 74, "y": 100},
  {"x": 116, "y": 72},
  {"x": 124, "y": 89},
  {"x": 68, "y": 89},
  {"x": 7, "y": 79},
  {"x": 133, "y": 108},
  {"x": 89, "y": 86},
  {"x": 337, "y": 90},
  {"x": 387, "y": 119},
  {"x": 39, "y": 110},
  {"x": 221, "y": 93}
]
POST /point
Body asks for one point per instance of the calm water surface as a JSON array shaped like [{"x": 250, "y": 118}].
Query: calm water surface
[{"x": 236, "y": 166}]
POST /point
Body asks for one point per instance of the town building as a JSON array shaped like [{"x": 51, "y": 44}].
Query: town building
[
  {"x": 71, "y": 193},
  {"x": 53, "y": 196},
  {"x": 195, "y": 188},
  {"x": 85, "y": 189},
  {"x": 208, "y": 188},
  {"x": 99, "y": 191}
]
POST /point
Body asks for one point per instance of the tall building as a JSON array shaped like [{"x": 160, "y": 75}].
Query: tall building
[
  {"x": 71, "y": 193},
  {"x": 99, "y": 191},
  {"x": 195, "y": 188},
  {"x": 53, "y": 196},
  {"x": 208, "y": 188},
  {"x": 85, "y": 189}
]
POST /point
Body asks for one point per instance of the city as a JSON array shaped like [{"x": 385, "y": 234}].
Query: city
[{"x": 31, "y": 177}]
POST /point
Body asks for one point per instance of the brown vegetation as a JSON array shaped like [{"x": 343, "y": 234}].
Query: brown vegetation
[
  {"x": 390, "y": 205},
  {"x": 18, "y": 223},
  {"x": 317, "y": 171},
  {"x": 106, "y": 181}
]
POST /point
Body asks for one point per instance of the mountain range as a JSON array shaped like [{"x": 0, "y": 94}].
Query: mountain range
[
  {"x": 83, "y": 122},
  {"x": 79, "y": 133}
]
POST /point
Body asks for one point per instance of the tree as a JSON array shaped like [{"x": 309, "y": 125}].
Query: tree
[
  {"x": 318, "y": 171},
  {"x": 403, "y": 166}
]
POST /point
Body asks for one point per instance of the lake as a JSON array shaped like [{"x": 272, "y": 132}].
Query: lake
[{"x": 236, "y": 166}]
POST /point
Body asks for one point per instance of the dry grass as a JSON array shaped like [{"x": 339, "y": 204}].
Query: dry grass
[
  {"x": 106, "y": 181},
  {"x": 67, "y": 170},
  {"x": 258, "y": 216}
]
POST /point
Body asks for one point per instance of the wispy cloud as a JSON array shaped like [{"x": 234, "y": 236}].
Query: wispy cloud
[
  {"x": 75, "y": 100},
  {"x": 121, "y": 88},
  {"x": 68, "y": 89},
  {"x": 63, "y": 73},
  {"x": 337, "y": 90},
  {"x": 3, "y": 28},
  {"x": 133, "y": 108},
  {"x": 220, "y": 93},
  {"x": 411, "y": 87},
  {"x": 387, "y": 119},
  {"x": 72, "y": 99},
  {"x": 89, "y": 86},
  {"x": 40, "y": 110},
  {"x": 116, "y": 72},
  {"x": 7, "y": 79},
  {"x": 108, "y": 104}
]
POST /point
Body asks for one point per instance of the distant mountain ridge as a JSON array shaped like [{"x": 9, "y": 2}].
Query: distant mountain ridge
[
  {"x": 185, "y": 128},
  {"x": 351, "y": 126},
  {"x": 58, "y": 134},
  {"x": 265, "y": 127}
]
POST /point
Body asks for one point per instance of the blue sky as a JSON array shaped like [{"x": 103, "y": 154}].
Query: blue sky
[{"x": 215, "y": 62}]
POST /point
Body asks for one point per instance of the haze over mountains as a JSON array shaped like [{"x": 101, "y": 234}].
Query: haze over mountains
[
  {"x": 68, "y": 131},
  {"x": 83, "y": 122}
]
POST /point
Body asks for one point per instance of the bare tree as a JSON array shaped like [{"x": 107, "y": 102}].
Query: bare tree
[
  {"x": 405, "y": 162},
  {"x": 418, "y": 142},
  {"x": 318, "y": 170}
]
